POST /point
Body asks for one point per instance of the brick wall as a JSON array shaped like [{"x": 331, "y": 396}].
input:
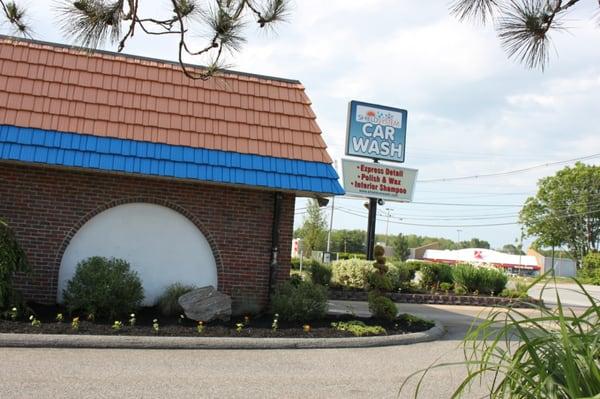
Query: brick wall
[{"x": 46, "y": 206}]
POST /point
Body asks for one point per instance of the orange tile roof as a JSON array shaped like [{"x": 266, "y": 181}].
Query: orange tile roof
[{"x": 53, "y": 87}]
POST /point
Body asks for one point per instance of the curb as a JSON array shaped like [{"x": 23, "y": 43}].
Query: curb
[{"x": 142, "y": 342}]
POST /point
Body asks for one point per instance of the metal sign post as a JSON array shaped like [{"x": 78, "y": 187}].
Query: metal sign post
[{"x": 371, "y": 224}]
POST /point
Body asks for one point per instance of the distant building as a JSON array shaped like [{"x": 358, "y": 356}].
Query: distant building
[
  {"x": 562, "y": 267},
  {"x": 519, "y": 264}
]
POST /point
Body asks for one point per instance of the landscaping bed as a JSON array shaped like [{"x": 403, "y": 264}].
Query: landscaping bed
[
  {"x": 251, "y": 327},
  {"x": 438, "y": 298}
]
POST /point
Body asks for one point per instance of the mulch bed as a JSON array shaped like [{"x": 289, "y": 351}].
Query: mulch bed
[{"x": 257, "y": 327}]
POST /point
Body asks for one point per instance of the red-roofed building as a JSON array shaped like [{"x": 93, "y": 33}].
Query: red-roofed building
[{"x": 114, "y": 155}]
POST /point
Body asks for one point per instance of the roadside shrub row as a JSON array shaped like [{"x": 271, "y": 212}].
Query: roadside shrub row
[
  {"x": 461, "y": 278},
  {"x": 479, "y": 279}
]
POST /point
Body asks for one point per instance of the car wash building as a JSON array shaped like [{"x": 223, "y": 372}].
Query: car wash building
[{"x": 120, "y": 156}]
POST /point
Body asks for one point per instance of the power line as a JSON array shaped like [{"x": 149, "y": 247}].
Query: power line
[
  {"x": 560, "y": 216},
  {"x": 510, "y": 172},
  {"x": 462, "y": 204}
]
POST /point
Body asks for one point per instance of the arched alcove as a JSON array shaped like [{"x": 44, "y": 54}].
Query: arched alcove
[{"x": 162, "y": 245}]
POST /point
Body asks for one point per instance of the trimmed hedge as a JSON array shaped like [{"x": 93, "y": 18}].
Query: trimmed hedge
[{"x": 351, "y": 273}]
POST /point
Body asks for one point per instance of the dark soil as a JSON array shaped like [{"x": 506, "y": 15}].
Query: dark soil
[{"x": 257, "y": 326}]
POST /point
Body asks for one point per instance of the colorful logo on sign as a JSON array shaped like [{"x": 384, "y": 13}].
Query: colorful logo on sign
[{"x": 376, "y": 131}]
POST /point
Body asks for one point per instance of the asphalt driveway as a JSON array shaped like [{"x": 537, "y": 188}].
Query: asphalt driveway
[{"x": 315, "y": 373}]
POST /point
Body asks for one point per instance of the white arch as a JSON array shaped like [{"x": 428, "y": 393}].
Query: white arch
[{"x": 162, "y": 245}]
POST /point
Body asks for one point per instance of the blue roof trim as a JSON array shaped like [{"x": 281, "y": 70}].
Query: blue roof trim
[{"x": 112, "y": 154}]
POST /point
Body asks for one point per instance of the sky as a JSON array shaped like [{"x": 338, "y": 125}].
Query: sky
[{"x": 471, "y": 110}]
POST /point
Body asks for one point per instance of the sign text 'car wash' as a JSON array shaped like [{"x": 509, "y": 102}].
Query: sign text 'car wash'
[
  {"x": 376, "y": 131},
  {"x": 374, "y": 180}
]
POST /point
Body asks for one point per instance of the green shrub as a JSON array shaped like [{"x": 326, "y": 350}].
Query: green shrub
[
  {"x": 307, "y": 263},
  {"x": 433, "y": 274},
  {"x": 458, "y": 290},
  {"x": 295, "y": 263},
  {"x": 412, "y": 322},
  {"x": 520, "y": 291},
  {"x": 410, "y": 268},
  {"x": 483, "y": 280},
  {"x": 12, "y": 260},
  {"x": 418, "y": 264},
  {"x": 590, "y": 270},
  {"x": 466, "y": 277},
  {"x": 589, "y": 276},
  {"x": 380, "y": 282},
  {"x": 299, "y": 301},
  {"x": 358, "y": 328},
  {"x": 400, "y": 276},
  {"x": 492, "y": 281},
  {"x": 168, "y": 302},
  {"x": 591, "y": 260},
  {"x": 104, "y": 287},
  {"x": 320, "y": 273},
  {"x": 351, "y": 273},
  {"x": 446, "y": 287},
  {"x": 348, "y": 255},
  {"x": 382, "y": 307}
]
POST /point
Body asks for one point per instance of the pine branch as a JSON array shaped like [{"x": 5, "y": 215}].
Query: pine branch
[
  {"x": 93, "y": 22},
  {"x": 523, "y": 25},
  {"x": 16, "y": 16}
]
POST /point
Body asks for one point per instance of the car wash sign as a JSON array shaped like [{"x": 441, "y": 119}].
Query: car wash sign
[{"x": 376, "y": 132}]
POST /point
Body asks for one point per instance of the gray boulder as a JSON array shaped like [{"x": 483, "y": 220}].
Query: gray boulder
[{"x": 206, "y": 304}]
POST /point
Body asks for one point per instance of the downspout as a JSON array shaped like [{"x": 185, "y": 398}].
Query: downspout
[{"x": 275, "y": 242}]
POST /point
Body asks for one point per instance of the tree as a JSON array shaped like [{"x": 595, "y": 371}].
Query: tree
[
  {"x": 401, "y": 248},
  {"x": 91, "y": 23},
  {"x": 474, "y": 243},
  {"x": 523, "y": 26},
  {"x": 313, "y": 231},
  {"x": 352, "y": 241},
  {"x": 12, "y": 260},
  {"x": 566, "y": 210},
  {"x": 512, "y": 249},
  {"x": 415, "y": 241}
]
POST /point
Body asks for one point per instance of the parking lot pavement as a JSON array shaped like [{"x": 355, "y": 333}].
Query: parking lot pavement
[
  {"x": 314, "y": 373},
  {"x": 571, "y": 295}
]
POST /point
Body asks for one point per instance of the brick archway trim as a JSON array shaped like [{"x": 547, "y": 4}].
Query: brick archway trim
[{"x": 147, "y": 200}]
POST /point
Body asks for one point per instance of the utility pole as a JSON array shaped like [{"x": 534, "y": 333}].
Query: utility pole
[
  {"x": 458, "y": 233},
  {"x": 521, "y": 248},
  {"x": 330, "y": 224},
  {"x": 331, "y": 220},
  {"x": 387, "y": 226}
]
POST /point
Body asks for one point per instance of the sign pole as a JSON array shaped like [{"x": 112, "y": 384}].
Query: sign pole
[
  {"x": 371, "y": 228},
  {"x": 371, "y": 223}
]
